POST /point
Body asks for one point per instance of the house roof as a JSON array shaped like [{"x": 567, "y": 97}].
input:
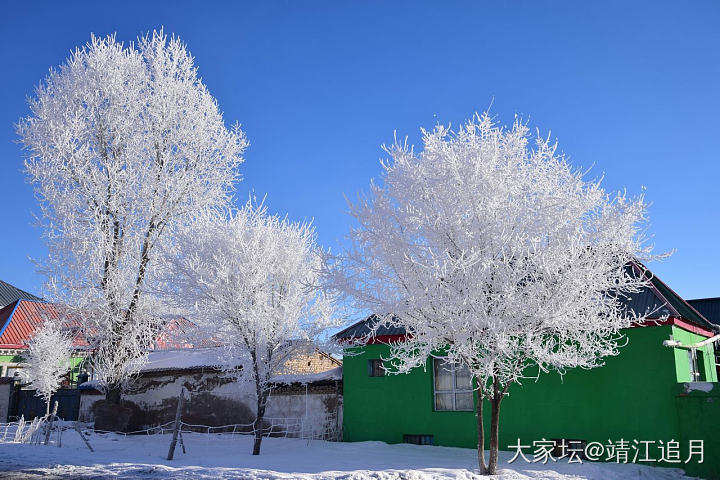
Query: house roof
[
  {"x": 182, "y": 359},
  {"x": 708, "y": 307},
  {"x": 660, "y": 300},
  {"x": 657, "y": 301},
  {"x": 159, "y": 361},
  {"x": 179, "y": 332},
  {"x": 364, "y": 327},
  {"x": 10, "y": 294},
  {"x": 20, "y": 319}
]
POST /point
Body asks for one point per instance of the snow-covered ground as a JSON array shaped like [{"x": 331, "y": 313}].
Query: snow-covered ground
[{"x": 120, "y": 457}]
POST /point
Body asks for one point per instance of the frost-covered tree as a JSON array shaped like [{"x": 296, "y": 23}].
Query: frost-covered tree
[
  {"x": 251, "y": 279},
  {"x": 496, "y": 255},
  {"x": 48, "y": 359},
  {"x": 125, "y": 146}
]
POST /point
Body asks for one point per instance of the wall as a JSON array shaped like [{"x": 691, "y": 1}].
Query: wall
[
  {"x": 314, "y": 362},
  {"x": 698, "y": 407},
  {"x": 216, "y": 400},
  {"x": 631, "y": 397},
  {"x": 6, "y": 386}
]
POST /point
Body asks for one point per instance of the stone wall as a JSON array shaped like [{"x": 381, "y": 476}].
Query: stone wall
[{"x": 217, "y": 400}]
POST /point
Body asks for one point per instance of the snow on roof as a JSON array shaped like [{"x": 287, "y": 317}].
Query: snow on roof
[
  {"x": 182, "y": 359},
  {"x": 90, "y": 385},
  {"x": 332, "y": 374},
  {"x": 210, "y": 357}
]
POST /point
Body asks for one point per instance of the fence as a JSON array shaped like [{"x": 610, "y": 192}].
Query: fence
[
  {"x": 44, "y": 428},
  {"x": 272, "y": 427},
  {"x": 34, "y": 432},
  {"x": 40, "y": 428}
]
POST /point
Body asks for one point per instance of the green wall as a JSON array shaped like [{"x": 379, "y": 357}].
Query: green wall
[
  {"x": 698, "y": 414},
  {"x": 75, "y": 363},
  {"x": 631, "y": 397},
  {"x": 10, "y": 359},
  {"x": 682, "y": 362}
]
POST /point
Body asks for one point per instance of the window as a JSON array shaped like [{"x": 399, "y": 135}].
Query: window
[
  {"x": 453, "y": 387},
  {"x": 418, "y": 439},
  {"x": 375, "y": 368},
  {"x": 700, "y": 365}
]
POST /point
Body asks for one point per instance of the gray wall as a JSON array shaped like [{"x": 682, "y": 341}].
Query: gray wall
[{"x": 216, "y": 400}]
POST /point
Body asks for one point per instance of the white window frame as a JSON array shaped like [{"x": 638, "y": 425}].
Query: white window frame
[
  {"x": 694, "y": 370},
  {"x": 19, "y": 367},
  {"x": 442, "y": 363}
]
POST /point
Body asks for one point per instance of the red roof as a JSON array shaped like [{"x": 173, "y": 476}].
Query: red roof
[
  {"x": 20, "y": 319},
  {"x": 179, "y": 332}
]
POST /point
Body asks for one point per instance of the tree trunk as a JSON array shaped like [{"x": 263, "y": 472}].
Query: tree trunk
[
  {"x": 494, "y": 427},
  {"x": 47, "y": 406},
  {"x": 113, "y": 394},
  {"x": 481, "y": 434},
  {"x": 258, "y": 426}
]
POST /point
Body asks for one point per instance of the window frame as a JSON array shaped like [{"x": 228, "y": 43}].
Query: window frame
[{"x": 442, "y": 363}]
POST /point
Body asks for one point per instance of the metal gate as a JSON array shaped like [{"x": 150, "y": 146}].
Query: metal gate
[{"x": 26, "y": 403}]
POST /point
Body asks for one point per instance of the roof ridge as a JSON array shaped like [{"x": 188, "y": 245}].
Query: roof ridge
[
  {"x": 700, "y": 320},
  {"x": 359, "y": 322}
]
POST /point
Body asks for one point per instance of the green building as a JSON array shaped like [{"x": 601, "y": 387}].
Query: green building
[{"x": 648, "y": 393}]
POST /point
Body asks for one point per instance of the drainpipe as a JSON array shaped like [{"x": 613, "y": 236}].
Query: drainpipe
[
  {"x": 675, "y": 343},
  {"x": 694, "y": 346}
]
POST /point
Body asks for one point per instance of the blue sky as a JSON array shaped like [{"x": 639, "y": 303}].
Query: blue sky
[{"x": 628, "y": 88}]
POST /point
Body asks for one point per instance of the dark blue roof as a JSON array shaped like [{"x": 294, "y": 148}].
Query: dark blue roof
[
  {"x": 678, "y": 307},
  {"x": 363, "y": 327},
  {"x": 708, "y": 307}
]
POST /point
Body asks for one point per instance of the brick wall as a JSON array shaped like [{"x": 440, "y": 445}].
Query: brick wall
[{"x": 314, "y": 362}]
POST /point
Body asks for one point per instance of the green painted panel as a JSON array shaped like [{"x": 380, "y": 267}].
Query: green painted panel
[
  {"x": 10, "y": 359},
  {"x": 706, "y": 357},
  {"x": 698, "y": 413}
]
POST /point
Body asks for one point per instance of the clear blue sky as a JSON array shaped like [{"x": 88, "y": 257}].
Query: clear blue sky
[{"x": 630, "y": 88}]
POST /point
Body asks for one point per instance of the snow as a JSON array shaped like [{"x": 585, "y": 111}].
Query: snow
[
  {"x": 185, "y": 358},
  {"x": 332, "y": 374},
  {"x": 700, "y": 386},
  {"x": 217, "y": 456},
  {"x": 91, "y": 384}
]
